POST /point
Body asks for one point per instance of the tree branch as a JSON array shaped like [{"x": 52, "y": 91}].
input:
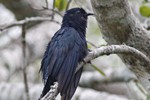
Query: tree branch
[
  {"x": 115, "y": 49},
  {"x": 24, "y": 61},
  {"x": 119, "y": 26},
  {"x": 53, "y": 9},
  {"x": 68, "y": 4},
  {"x": 27, "y": 20},
  {"x": 46, "y": 1}
]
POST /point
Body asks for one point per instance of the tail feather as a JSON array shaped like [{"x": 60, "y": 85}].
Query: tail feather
[{"x": 72, "y": 86}]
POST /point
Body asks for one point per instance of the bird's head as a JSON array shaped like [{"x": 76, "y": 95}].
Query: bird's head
[{"x": 76, "y": 18}]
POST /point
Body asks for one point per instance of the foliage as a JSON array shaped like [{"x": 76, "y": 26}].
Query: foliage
[
  {"x": 61, "y": 4},
  {"x": 145, "y": 9}
]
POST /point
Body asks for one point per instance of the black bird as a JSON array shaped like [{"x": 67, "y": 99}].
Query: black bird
[{"x": 66, "y": 49}]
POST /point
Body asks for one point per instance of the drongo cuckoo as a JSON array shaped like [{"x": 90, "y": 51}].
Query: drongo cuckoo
[{"x": 66, "y": 49}]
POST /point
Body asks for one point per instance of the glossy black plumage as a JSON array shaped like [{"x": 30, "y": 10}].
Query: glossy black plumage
[{"x": 66, "y": 49}]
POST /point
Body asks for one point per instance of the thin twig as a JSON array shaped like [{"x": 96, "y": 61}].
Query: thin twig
[
  {"x": 53, "y": 10},
  {"x": 68, "y": 4},
  {"x": 27, "y": 20},
  {"x": 114, "y": 49},
  {"x": 24, "y": 61},
  {"x": 46, "y": 3},
  {"x": 53, "y": 13}
]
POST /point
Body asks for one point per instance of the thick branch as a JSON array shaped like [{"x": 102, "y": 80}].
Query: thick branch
[
  {"x": 115, "y": 49},
  {"x": 119, "y": 26}
]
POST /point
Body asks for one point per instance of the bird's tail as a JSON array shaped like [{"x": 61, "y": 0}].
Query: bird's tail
[
  {"x": 47, "y": 86},
  {"x": 72, "y": 86}
]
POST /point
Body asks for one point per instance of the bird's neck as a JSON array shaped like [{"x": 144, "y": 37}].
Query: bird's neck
[{"x": 80, "y": 27}]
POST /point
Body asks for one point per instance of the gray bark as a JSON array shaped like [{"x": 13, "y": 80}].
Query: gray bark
[{"x": 119, "y": 26}]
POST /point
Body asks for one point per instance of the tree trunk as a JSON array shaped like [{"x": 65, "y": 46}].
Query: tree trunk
[{"x": 119, "y": 26}]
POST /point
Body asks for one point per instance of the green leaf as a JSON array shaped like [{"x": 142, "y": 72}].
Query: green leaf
[
  {"x": 145, "y": 10},
  {"x": 61, "y": 4},
  {"x": 99, "y": 70}
]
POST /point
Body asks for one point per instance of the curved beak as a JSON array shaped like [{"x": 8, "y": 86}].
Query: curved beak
[{"x": 89, "y": 14}]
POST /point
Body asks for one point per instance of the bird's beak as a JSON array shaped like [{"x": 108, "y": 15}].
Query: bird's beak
[{"x": 89, "y": 14}]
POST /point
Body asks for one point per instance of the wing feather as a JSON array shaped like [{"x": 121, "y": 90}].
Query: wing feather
[{"x": 61, "y": 58}]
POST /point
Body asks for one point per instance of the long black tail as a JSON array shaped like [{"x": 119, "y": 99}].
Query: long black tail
[{"x": 72, "y": 86}]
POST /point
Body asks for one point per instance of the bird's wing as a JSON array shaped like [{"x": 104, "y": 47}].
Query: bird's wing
[{"x": 62, "y": 56}]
